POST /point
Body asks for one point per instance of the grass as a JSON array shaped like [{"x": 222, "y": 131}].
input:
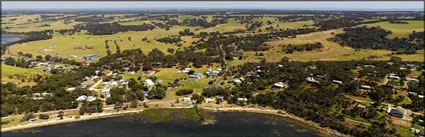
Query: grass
[
  {"x": 331, "y": 51},
  {"x": 404, "y": 131},
  {"x": 15, "y": 74},
  {"x": 66, "y": 45},
  {"x": 164, "y": 115},
  {"x": 401, "y": 30}
]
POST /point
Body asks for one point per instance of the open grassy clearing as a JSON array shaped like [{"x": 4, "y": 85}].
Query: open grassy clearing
[
  {"x": 69, "y": 44},
  {"x": 331, "y": 52},
  {"x": 15, "y": 74},
  {"x": 400, "y": 30},
  {"x": 163, "y": 115}
]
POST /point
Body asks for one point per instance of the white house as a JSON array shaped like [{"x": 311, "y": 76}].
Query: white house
[
  {"x": 209, "y": 100},
  {"x": 91, "y": 98},
  {"x": 242, "y": 99},
  {"x": 82, "y": 98},
  {"x": 278, "y": 85},
  {"x": 237, "y": 81},
  {"x": 149, "y": 83},
  {"x": 70, "y": 89}
]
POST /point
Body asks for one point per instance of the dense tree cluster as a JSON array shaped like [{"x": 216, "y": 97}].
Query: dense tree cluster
[
  {"x": 374, "y": 38},
  {"x": 112, "y": 28},
  {"x": 308, "y": 47},
  {"x": 169, "y": 40}
]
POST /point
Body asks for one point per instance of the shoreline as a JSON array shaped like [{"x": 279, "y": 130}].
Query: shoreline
[
  {"x": 20, "y": 36},
  {"x": 326, "y": 131}
]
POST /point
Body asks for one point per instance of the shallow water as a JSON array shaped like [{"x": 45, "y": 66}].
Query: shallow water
[
  {"x": 8, "y": 39},
  {"x": 228, "y": 124}
]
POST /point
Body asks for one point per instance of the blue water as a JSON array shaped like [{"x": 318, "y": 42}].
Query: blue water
[
  {"x": 8, "y": 39},
  {"x": 228, "y": 124}
]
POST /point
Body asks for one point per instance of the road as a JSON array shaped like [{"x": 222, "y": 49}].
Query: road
[{"x": 227, "y": 70}]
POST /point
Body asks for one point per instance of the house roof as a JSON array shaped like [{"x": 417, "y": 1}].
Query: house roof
[{"x": 397, "y": 112}]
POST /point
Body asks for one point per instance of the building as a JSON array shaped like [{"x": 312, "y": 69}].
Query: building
[
  {"x": 221, "y": 97},
  {"x": 242, "y": 99},
  {"x": 365, "y": 87},
  {"x": 237, "y": 81},
  {"x": 412, "y": 80},
  {"x": 91, "y": 98},
  {"x": 397, "y": 113},
  {"x": 81, "y": 98},
  {"x": 90, "y": 57},
  {"x": 187, "y": 100},
  {"x": 197, "y": 76},
  {"x": 312, "y": 80},
  {"x": 393, "y": 77},
  {"x": 149, "y": 83},
  {"x": 278, "y": 85},
  {"x": 70, "y": 89},
  {"x": 150, "y": 72},
  {"x": 209, "y": 100},
  {"x": 114, "y": 83},
  {"x": 337, "y": 81}
]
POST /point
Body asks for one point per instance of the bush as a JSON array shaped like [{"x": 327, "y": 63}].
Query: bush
[
  {"x": 184, "y": 92},
  {"x": 43, "y": 116}
]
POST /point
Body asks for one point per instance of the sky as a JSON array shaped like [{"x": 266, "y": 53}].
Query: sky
[{"x": 216, "y": 4}]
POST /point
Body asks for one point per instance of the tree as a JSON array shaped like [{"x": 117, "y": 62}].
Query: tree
[
  {"x": 39, "y": 57},
  {"x": 134, "y": 104},
  {"x": 47, "y": 57},
  {"x": 43, "y": 116},
  {"x": 61, "y": 114}
]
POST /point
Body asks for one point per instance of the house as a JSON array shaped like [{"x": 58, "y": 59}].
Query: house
[
  {"x": 125, "y": 82},
  {"x": 365, "y": 87},
  {"x": 221, "y": 97},
  {"x": 412, "y": 80},
  {"x": 280, "y": 66},
  {"x": 393, "y": 77},
  {"x": 312, "y": 80},
  {"x": 197, "y": 76},
  {"x": 105, "y": 83},
  {"x": 91, "y": 98},
  {"x": 227, "y": 77},
  {"x": 337, "y": 81},
  {"x": 209, "y": 100},
  {"x": 242, "y": 99},
  {"x": 150, "y": 72},
  {"x": 84, "y": 84},
  {"x": 421, "y": 96},
  {"x": 278, "y": 85},
  {"x": 90, "y": 57},
  {"x": 160, "y": 81},
  {"x": 312, "y": 67},
  {"x": 32, "y": 119},
  {"x": 81, "y": 98},
  {"x": 237, "y": 81},
  {"x": 149, "y": 83},
  {"x": 397, "y": 113},
  {"x": 369, "y": 66},
  {"x": 58, "y": 67},
  {"x": 114, "y": 83},
  {"x": 85, "y": 63},
  {"x": 70, "y": 89},
  {"x": 187, "y": 100}
]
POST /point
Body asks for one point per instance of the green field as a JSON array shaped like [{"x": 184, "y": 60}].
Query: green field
[
  {"x": 15, "y": 74},
  {"x": 66, "y": 45},
  {"x": 401, "y": 30},
  {"x": 331, "y": 51}
]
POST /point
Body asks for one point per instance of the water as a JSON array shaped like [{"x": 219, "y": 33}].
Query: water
[
  {"x": 240, "y": 124},
  {"x": 8, "y": 39}
]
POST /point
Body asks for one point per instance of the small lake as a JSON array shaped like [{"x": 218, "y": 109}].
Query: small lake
[
  {"x": 8, "y": 39},
  {"x": 230, "y": 124}
]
